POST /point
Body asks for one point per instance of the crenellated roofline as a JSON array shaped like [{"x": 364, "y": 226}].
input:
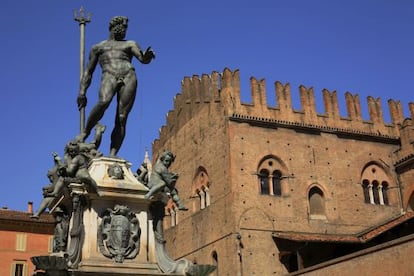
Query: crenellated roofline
[{"x": 223, "y": 91}]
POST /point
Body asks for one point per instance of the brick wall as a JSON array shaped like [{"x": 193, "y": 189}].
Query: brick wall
[{"x": 211, "y": 128}]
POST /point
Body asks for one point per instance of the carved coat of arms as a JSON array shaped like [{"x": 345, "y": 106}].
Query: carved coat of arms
[{"x": 119, "y": 234}]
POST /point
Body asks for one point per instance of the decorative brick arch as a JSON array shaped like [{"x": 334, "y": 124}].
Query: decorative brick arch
[
  {"x": 200, "y": 179},
  {"x": 275, "y": 158},
  {"x": 200, "y": 187},
  {"x": 270, "y": 171},
  {"x": 376, "y": 182}
]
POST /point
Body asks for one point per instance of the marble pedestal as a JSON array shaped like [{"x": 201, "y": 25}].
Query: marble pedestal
[
  {"x": 116, "y": 232},
  {"x": 117, "y": 186}
]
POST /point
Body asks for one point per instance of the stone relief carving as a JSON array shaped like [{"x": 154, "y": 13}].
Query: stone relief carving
[
  {"x": 119, "y": 234},
  {"x": 60, "y": 235},
  {"x": 115, "y": 171}
]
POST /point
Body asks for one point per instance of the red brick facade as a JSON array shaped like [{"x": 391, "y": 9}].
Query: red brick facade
[{"x": 281, "y": 189}]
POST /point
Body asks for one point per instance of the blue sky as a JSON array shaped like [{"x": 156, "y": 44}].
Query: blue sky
[{"x": 364, "y": 47}]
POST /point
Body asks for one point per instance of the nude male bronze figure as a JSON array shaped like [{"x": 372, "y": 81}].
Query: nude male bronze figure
[{"x": 114, "y": 55}]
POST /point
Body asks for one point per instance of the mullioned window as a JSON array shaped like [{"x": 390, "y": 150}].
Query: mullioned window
[{"x": 375, "y": 185}]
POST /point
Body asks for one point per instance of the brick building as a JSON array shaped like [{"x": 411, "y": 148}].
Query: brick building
[
  {"x": 273, "y": 190},
  {"x": 21, "y": 238}
]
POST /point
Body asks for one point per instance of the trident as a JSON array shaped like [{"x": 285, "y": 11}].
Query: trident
[{"x": 82, "y": 22}]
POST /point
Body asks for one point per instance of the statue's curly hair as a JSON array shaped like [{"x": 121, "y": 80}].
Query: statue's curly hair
[
  {"x": 72, "y": 145},
  {"x": 167, "y": 153},
  {"x": 117, "y": 20}
]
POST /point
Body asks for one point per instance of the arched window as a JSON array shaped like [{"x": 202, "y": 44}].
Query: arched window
[
  {"x": 201, "y": 189},
  {"x": 277, "y": 188},
  {"x": 365, "y": 186},
  {"x": 375, "y": 185},
  {"x": 202, "y": 196},
  {"x": 270, "y": 176},
  {"x": 375, "y": 191},
  {"x": 207, "y": 194},
  {"x": 173, "y": 217},
  {"x": 316, "y": 202},
  {"x": 264, "y": 182},
  {"x": 214, "y": 255},
  {"x": 171, "y": 210},
  {"x": 384, "y": 193}
]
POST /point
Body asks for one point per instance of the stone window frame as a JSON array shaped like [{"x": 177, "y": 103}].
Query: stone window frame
[
  {"x": 19, "y": 268},
  {"x": 50, "y": 244},
  {"x": 375, "y": 184},
  {"x": 204, "y": 197},
  {"x": 214, "y": 256},
  {"x": 174, "y": 217},
  {"x": 21, "y": 242},
  {"x": 171, "y": 210},
  {"x": 201, "y": 188},
  {"x": 270, "y": 175},
  {"x": 316, "y": 212}
]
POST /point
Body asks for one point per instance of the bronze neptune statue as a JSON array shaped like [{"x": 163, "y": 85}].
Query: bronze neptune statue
[{"x": 114, "y": 55}]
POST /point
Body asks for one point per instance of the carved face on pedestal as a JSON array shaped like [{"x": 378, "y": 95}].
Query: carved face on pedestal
[{"x": 115, "y": 171}]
